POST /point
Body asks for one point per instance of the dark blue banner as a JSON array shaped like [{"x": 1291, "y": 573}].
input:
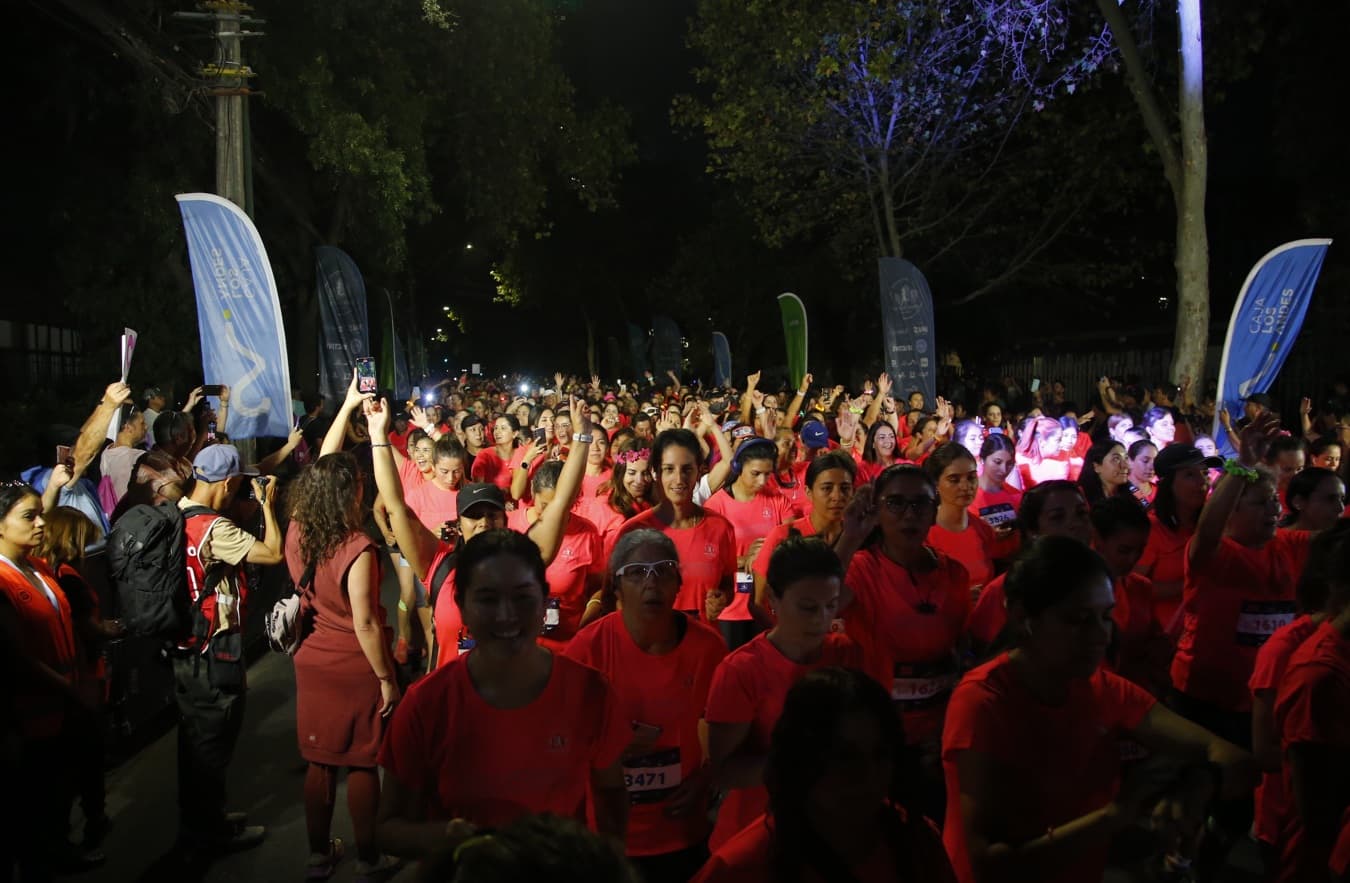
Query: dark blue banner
[
  {"x": 344, "y": 327},
  {"x": 1265, "y": 322},
  {"x": 667, "y": 347},
  {"x": 637, "y": 350},
  {"x": 907, "y": 329}
]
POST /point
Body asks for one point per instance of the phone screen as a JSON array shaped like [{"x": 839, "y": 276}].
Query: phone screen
[
  {"x": 1035, "y": 384},
  {"x": 64, "y": 455},
  {"x": 365, "y": 375},
  {"x": 540, "y": 435}
]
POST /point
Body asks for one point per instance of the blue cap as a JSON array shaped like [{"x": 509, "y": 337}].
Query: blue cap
[
  {"x": 217, "y": 463},
  {"x": 815, "y": 435}
]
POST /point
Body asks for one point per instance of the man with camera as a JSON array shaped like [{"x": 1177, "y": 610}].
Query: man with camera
[{"x": 208, "y": 664}]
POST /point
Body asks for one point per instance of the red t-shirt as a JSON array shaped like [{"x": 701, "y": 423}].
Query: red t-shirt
[
  {"x": 409, "y": 476},
  {"x": 803, "y": 526},
  {"x": 1049, "y": 469},
  {"x": 973, "y": 547},
  {"x": 579, "y": 554},
  {"x": 1229, "y": 609},
  {"x": 1164, "y": 561},
  {"x": 1273, "y": 803},
  {"x": 796, "y": 491},
  {"x": 490, "y": 766},
  {"x": 400, "y": 440},
  {"x": 707, "y": 554},
  {"x": 997, "y": 509},
  {"x": 751, "y": 521},
  {"x": 670, "y": 692},
  {"x": 488, "y": 466},
  {"x": 990, "y": 615},
  {"x": 452, "y": 636},
  {"x": 433, "y": 506},
  {"x": 913, "y": 852},
  {"x": 750, "y": 686},
  {"x": 909, "y": 626},
  {"x": 1057, "y": 762},
  {"x": 1311, "y": 710}
]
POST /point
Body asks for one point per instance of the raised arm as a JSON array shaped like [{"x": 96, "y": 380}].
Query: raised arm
[
  {"x": 520, "y": 476},
  {"x": 748, "y": 398},
  {"x": 547, "y": 532},
  {"x": 51, "y": 495},
  {"x": 883, "y": 391},
  {"x": 794, "y": 408},
  {"x": 860, "y": 519},
  {"x": 337, "y": 432},
  {"x": 717, "y": 476},
  {"x": 270, "y": 464},
  {"x": 1252, "y": 444},
  {"x": 95, "y": 429},
  {"x": 223, "y": 412},
  {"x": 417, "y": 544}
]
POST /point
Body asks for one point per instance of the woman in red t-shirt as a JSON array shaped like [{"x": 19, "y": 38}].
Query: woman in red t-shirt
[
  {"x": 754, "y": 509},
  {"x": 788, "y": 471},
  {"x": 508, "y": 729},
  {"x": 748, "y": 688},
  {"x": 706, "y": 540},
  {"x": 1183, "y": 485},
  {"x": 1314, "y": 727},
  {"x": 1241, "y": 573},
  {"x": 996, "y": 502},
  {"x": 1315, "y": 500},
  {"x": 1050, "y": 509},
  {"x": 660, "y": 663},
  {"x": 836, "y": 784},
  {"x": 1038, "y": 457},
  {"x": 494, "y": 464},
  {"x": 829, "y": 479},
  {"x": 1030, "y": 750},
  {"x": 969, "y": 540},
  {"x": 879, "y": 451},
  {"x": 1141, "y": 456},
  {"x": 627, "y": 493}
]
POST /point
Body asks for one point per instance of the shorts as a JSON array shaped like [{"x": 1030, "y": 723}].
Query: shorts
[{"x": 420, "y": 597}]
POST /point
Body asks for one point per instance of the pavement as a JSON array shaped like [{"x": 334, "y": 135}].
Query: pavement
[{"x": 266, "y": 782}]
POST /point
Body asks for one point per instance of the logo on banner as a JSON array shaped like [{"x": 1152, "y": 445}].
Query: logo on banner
[{"x": 908, "y": 301}]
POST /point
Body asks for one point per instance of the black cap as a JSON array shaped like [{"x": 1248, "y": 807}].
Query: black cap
[
  {"x": 1179, "y": 456},
  {"x": 479, "y": 492},
  {"x": 471, "y": 419}
]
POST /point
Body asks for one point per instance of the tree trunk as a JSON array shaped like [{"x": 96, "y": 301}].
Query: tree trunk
[
  {"x": 1192, "y": 261},
  {"x": 591, "y": 369},
  {"x": 888, "y": 211}
]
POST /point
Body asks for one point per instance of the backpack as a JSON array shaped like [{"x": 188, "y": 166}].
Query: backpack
[
  {"x": 284, "y": 625},
  {"x": 147, "y": 562},
  {"x": 438, "y": 578}
]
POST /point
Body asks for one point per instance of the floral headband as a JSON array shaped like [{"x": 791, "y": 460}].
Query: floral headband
[{"x": 632, "y": 456}]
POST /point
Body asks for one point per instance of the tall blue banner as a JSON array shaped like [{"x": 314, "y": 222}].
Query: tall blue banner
[
  {"x": 1265, "y": 322},
  {"x": 238, "y": 315},
  {"x": 721, "y": 360},
  {"x": 667, "y": 347},
  {"x": 344, "y": 327},
  {"x": 907, "y": 329}
]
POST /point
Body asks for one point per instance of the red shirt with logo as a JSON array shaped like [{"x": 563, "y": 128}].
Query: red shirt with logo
[
  {"x": 973, "y": 547},
  {"x": 490, "y": 766},
  {"x": 707, "y": 554}
]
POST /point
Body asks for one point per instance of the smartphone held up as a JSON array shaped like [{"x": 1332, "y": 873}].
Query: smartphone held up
[{"x": 365, "y": 376}]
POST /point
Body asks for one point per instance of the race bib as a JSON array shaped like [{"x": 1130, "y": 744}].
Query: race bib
[
  {"x": 552, "y": 614},
  {"x": 998, "y": 515},
  {"x": 1258, "y": 620},
  {"x": 651, "y": 778},
  {"x": 745, "y": 582},
  {"x": 922, "y": 684}
]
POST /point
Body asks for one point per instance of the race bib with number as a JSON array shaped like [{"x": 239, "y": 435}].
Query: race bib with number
[
  {"x": 998, "y": 515},
  {"x": 651, "y": 778},
  {"x": 1258, "y": 620},
  {"x": 919, "y": 685},
  {"x": 745, "y": 582}
]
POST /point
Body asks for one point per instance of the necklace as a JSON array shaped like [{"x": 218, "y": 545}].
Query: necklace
[{"x": 926, "y": 606}]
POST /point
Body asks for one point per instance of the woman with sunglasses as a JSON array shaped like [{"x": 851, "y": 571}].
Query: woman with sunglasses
[
  {"x": 660, "y": 662},
  {"x": 749, "y": 686},
  {"x": 907, "y": 604}
]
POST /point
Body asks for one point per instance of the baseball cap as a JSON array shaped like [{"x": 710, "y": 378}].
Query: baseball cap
[
  {"x": 217, "y": 463},
  {"x": 152, "y": 392},
  {"x": 1179, "y": 456},
  {"x": 815, "y": 435},
  {"x": 741, "y": 431},
  {"x": 479, "y": 492},
  {"x": 471, "y": 419}
]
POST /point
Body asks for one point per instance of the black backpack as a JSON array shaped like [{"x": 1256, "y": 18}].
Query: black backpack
[{"x": 147, "y": 560}]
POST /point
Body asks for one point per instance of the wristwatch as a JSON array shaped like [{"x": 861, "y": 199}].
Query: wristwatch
[{"x": 584, "y": 438}]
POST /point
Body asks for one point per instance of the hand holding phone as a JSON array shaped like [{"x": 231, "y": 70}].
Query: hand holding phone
[
  {"x": 365, "y": 375},
  {"x": 65, "y": 456},
  {"x": 212, "y": 389},
  {"x": 540, "y": 435}
]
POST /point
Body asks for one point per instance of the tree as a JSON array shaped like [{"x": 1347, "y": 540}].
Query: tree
[
  {"x": 876, "y": 120},
  {"x": 1185, "y": 164}
]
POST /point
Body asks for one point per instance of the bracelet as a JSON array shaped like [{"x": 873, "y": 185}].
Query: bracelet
[
  {"x": 584, "y": 438},
  {"x": 1246, "y": 473},
  {"x": 593, "y": 601},
  {"x": 385, "y": 445},
  {"x": 386, "y": 677}
]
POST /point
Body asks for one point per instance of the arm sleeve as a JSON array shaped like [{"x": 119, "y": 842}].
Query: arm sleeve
[
  {"x": 229, "y": 542},
  {"x": 405, "y": 753},
  {"x": 615, "y": 730},
  {"x": 1125, "y": 704},
  {"x": 730, "y": 697},
  {"x": 973, "y": 722}
]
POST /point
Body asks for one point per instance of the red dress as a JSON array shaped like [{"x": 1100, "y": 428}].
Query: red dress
[{"x": 337, "y": 695}]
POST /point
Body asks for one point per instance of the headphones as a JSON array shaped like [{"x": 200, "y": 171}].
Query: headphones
[{"x": 738, "y": 458}]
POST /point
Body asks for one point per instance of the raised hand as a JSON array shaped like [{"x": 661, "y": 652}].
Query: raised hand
[
  {"x": 1305, "y": 406},
  {"x": 1255, "y": 439},
  {"x": 862, "y": 513},
  {"x": 807, "y": 380},
  {"x": 355, "y": 398},
  {"x": 752, "y": 380},
  {"x": 61, "y": 476},
  {"x": 884, "y": 384},
  {"x": 116, "y": 393},
  {"x": 377, "y": 416},
  {"x": 418, "y": 415},
  {"x": 193, "y": 398},
  {"x": 224, "y": 394}
]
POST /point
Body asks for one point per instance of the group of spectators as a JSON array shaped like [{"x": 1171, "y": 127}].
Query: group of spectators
[{"x": 744, "y": 634}]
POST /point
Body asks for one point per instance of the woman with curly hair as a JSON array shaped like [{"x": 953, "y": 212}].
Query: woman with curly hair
[{"x": 344, "y": 672}]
